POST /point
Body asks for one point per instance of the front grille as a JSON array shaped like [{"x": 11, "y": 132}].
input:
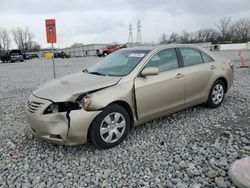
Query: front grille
[{"x": 34, "y": 106}]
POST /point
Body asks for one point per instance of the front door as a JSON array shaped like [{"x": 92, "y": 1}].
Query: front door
[{"x": 160, "y": 93}]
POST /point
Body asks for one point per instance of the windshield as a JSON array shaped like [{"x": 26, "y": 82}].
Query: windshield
[{"x": 119, "y": 63}]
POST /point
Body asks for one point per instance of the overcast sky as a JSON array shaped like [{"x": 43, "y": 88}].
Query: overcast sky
[{"x": 106, "y": 21}]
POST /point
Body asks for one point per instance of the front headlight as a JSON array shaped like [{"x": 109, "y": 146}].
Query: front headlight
[
  {"x": 84, "y": 100},
  {"x": 62, "y": 107},
  {"x": 53, "y": 108},
  {"x": 86, "y": 103}
]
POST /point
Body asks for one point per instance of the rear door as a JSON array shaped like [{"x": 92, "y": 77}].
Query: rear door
[
  {"x": 198, "y": 69},
  {"x": 160, "y": 93}
]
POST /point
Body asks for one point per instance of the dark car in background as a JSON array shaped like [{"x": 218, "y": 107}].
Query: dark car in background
[
  {"x": 16, "y": 55},
  {"x": 61, "y": 55},
  {"x": 4, "y": 57},
  {"x": 12, "y": 56},
  {"x": 30, "y": 56}
]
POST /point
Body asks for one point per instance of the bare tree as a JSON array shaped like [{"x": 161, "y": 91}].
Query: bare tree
[
  {"x": 241, "y": 29},
  {"x": 225, "y": 27},
  {"x": 227, "y": 31},
  {"x": 206, "y": 35},
  {"x": 5, "y": 40},
  {"x": 22, "y": 38},
  {"x": 174, "y": 38},
  {"x": 201, "y": 36},
  {"x": 33, "y": 46},
  {"x": 163, "y": 39},
  {"x": 185, "y": 37}
]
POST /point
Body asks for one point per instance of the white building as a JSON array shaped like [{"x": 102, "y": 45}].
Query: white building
[{"x": 83, "y": 50}]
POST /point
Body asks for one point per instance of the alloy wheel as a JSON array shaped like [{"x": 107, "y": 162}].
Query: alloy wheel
[
  {"x": 112, "y": 127},
  {"x": 218, "y": 93}
]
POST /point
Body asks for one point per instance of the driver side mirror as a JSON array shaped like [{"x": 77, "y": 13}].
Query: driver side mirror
[{"x": 150, "y": 71}]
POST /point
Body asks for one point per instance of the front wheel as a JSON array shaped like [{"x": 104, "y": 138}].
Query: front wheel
[
  {"x": 216, "y": 94},
  {"x": 110, "y": 127}
]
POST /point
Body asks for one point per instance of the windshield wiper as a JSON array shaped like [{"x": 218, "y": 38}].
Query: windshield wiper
[{"x": 97, "y": 73}]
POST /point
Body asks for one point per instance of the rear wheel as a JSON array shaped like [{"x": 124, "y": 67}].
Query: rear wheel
[
  {"x": 216, "y": 94},
  {"x": 110, "y": 127}
]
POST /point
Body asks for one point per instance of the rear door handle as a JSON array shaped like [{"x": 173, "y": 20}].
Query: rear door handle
[
  {"x": 212, "y": 67},
  {"x": 179, "y": 75}
]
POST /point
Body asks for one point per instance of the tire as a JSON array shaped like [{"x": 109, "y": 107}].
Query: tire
[
  {"x": 216, "y": 94},
  {"x": 113, "y": 133},
  {"x": 105, "y": 54}
]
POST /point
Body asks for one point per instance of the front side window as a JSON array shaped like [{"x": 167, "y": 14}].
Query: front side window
[
  {"x": 119, "y": 63},
  {"x": 191, "y": 56},
  {"x": 164, "y": 60}
]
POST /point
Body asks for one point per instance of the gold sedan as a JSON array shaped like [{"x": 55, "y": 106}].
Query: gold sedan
[{"x": 127, "y": 88}]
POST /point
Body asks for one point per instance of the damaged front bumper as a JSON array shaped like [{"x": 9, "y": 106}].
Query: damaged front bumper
[{"x": 68, "y": 128}]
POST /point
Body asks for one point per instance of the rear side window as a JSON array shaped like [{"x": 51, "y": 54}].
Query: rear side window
[
  {"x": 206, "y": 58},
  {"x": 191, "y": 56}
]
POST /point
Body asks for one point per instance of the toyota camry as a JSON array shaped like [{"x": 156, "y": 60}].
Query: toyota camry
[{"x": 128, "y": 87}]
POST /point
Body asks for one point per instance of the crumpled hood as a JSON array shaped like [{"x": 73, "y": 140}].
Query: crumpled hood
[{"x": 62, "y": 89}]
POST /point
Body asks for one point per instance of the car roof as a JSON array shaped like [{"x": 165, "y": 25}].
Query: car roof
[
  {"x": 153, "y": 49},
  {"x": 150, "y": 48},
  {"x": 15, "y": 51}
]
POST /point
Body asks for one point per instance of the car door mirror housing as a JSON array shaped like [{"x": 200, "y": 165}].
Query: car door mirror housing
[{"x": 150, "y": 71}]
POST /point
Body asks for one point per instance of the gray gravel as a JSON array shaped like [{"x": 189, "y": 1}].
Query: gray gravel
[{"x": 192, "y": 148}]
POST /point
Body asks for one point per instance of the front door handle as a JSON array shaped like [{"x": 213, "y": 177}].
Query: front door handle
[
  {"x": 212, "y": 67},
  {"x": 179, "y": 75}
]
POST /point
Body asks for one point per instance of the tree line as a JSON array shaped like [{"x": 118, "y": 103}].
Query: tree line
[
  {"x": 22, "y": 37},
  {"x": 226, "y": 31}
]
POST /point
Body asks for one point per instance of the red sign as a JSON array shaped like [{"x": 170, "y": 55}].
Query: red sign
[{"x": 51, "y": 30}]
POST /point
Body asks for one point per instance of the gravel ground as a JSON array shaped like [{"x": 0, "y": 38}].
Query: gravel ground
[{"x": 191, "y": 148}]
